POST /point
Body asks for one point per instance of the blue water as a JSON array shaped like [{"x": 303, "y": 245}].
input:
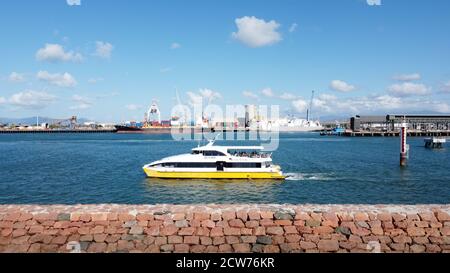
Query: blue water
[{"x": 106, "y": 168}]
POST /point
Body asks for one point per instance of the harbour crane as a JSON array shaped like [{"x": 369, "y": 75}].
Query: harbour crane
[
  {"x": 153, "y": 113},
  {"x": 72, "y": 122}
]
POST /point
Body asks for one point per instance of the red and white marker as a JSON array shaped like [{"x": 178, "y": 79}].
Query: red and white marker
[{"x": 404, "y": 148}]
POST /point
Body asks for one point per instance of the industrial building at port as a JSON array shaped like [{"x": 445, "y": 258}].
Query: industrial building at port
[
  {"x": 67, "y": 125},
  {"x": 389, "y": 125},
  {"x": 236, "y": 118},
  {"x": 152, "y": 118},
  {"x": 359, "y": 125},
  {"x": 390, "y": 122},
  {"x": 253, "y": 117}
]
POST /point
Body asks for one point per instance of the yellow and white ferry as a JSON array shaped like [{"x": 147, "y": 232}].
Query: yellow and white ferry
[{"x": 217, "y": 162}]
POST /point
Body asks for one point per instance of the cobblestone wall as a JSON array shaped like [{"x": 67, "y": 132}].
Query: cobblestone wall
[{"x": 225, "y": 228}]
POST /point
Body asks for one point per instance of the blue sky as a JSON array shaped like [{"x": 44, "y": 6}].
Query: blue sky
[{"x": 107, "y": 60}]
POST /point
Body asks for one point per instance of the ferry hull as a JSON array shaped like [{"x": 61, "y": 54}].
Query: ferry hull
[{"x": 213, "y": 175}]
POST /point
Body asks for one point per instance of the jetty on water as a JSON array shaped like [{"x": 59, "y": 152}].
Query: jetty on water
[
  {"x": 59, "y": 131},
  {"x": 410, "y": 133},
  {"x": 435, "y": 142},
  {"x": 390, "y": 126}
]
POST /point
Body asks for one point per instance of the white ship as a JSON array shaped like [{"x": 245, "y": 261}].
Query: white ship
[
  {"x": 293, "y": 124},
  {"x": 296, "y": 125},
  {"x": 217, "y": 162}
]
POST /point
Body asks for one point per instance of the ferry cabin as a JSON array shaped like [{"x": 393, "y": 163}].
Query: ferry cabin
[{"x": 227, "y": 162}]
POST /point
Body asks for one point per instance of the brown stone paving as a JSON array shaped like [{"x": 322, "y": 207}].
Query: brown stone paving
[{"x": 225, "y": 228}]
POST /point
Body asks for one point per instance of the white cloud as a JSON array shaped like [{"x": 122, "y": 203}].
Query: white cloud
[
  {"x": 2, "y": 100},
  {"x": 80, "y": 106},
  {"x": 62, "y": 80},
  {"x": 255, "y": 32},
  {"x": 133, "y": 107},
  {"x": 327, "y": 97},
  {"x": 108, "y": 95},
  {"x": 341, "y": 86},
  {"x": 374, "y": 104},
  {"x": 210, "y": 95},
  {"x": 387, "y": 102},
  {"x": 268, "y": 92},
  {"x": 207, "y": 94},
  {"x": 31, "y": 99},
  {"x": 81, "y": 99},
  {"x": 103, "y": 49},
  {"x": 16, "y": 77},
  {"x": 374, "y": 2},
  {"x": 300, "y": 105},
  {"x": 56, "y": 53},
  {"x": 95, "y": 80},
  {"x": 165, "y": 69},
  {"x": 194, "y": 99},
  {"x": 293, "y": 27},
  {"x": 407, "y": 77},
  {"x": 82, "y": 103},
  {"x": 288, "y": 96},
  {"x": 446, "y": 87},
  {"x": 441, "y": 107},
  {"x": 175, "y": 46},
  {"x": 409, "y": 89},
  {"x": 356, "y": 105},
  {"x": 250, "y": 94},
  {"x": 74, "y": 2},
  {"x": 322, "y": 104}
]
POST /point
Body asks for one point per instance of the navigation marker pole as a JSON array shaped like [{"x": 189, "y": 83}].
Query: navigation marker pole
[{"x": 404, "y": 148}]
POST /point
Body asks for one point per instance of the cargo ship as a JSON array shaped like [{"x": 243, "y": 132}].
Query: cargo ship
[
  {"x": 139, "y": 128},
  {"x": 153, "y": 124},
  {"x": 127, "y": 128}
]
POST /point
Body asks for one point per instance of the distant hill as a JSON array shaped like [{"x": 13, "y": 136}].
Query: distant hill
[{"x": 32, "y": 120}]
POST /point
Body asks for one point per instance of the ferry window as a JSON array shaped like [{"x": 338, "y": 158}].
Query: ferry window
[
  {"x": 243, "y": 165},
  {"x": 196, "y": 152},
  {"x": 190, "y": 165},
  {"x": 268, "y": 164},
  {"x": 213, "y": 153}
]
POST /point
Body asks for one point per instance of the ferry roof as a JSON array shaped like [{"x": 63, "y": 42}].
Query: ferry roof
[{"x": 226, "y": 148}]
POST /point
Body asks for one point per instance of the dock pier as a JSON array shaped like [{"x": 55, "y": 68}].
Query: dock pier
[
  {"x": 389, "y": 126},
  {"x": 410, "y": 133},
  {"x": 435, "y": 142},
  {"x": 72, "y": 131}
]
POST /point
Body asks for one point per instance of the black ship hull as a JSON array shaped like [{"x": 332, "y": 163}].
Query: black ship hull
[
  {"x": 125, "y": 129},
  {"x": 158, "y": 130}
]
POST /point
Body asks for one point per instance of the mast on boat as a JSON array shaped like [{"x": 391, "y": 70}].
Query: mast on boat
[{"x": 309, "y": 111}]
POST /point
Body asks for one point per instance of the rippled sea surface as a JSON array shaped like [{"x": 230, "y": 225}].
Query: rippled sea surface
[{"x": 107, "y": 168}]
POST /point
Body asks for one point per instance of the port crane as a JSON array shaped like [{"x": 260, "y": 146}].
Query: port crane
[
  {"x": 72, "y": 122},
  {"x": 153, "y": 114}
]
